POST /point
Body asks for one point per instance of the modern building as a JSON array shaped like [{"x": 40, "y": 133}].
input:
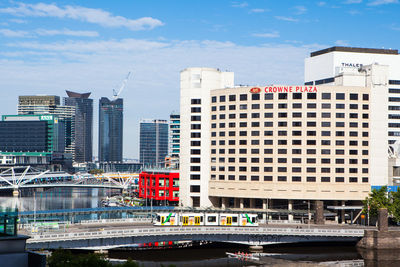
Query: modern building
[
  {"x": 83, "y": 125},
  {"x": 174, "y": 134},
  {"x": 31, "y": 140},
  {"x": 121, "y": 167},
  {"x": 196, "y": 85},
  {"x": 45, "y": 104},
  {"x": 153, "y": 142},
  {"x": 110, "y": 130},
  {"x": 160, "y": 186},
  {"x": 324, "y": 66}
]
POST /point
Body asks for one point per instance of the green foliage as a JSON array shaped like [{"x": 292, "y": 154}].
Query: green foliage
[
  {"x": 65, "y": 258},
  {"x": 378, "y": 199}
]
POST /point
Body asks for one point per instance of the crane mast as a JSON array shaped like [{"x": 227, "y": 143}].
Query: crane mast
[{"x": 116, "y": 93}]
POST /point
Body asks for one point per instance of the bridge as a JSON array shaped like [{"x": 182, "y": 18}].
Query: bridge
[
  {"x": 128, "y": 236},
  {"x": 16, "y": 178}
]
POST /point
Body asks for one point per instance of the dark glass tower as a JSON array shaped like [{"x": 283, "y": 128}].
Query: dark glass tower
[
  {"x": 83, "y": 134},
  {"x": 153, "y": 142},
  {"x": 110, "y": 130}
]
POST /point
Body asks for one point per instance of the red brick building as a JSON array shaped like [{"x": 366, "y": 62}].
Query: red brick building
[{"x": 162, "y": 186}]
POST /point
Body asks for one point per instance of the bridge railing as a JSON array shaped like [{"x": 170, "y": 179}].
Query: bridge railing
[
  {"x": 195, "y": 231},
  {"x": 125, "y": 220}
]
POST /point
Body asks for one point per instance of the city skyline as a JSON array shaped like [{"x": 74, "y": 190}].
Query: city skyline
[{"x": 49, "y": 47}]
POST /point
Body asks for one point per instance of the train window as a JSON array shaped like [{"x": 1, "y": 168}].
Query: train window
[
  {"x": 234, "y": 219},
  {"x": 201, "y": 218},
  {"x": 158, "y": 218},
  {"x": 212, "y": 218},
  {"x": 253, "y": 220}
]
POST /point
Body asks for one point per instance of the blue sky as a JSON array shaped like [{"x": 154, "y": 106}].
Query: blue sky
[{"x": 47, "y": 47}]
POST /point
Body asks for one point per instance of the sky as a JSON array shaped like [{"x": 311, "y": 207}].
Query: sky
[{"x": 47, "y": 47}]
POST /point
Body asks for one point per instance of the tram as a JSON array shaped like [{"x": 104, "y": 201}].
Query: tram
[{"x": 205, "y": 219}]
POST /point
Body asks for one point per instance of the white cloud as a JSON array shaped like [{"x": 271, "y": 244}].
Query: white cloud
[
  {"x": 19, "y": 21},
  {"x": 240, "y": 4},
  {"x": 352, "y": 2},
  {"x": 12, "y": 33},
  {"x": 91, "y": 15},
  {"x": 156, "y": 66},
  {"x": 321, "y": 3},
  {"x": 342, "y": 43},
  {"x": 286, "y": 18},
  {"x": 300, "y": 10},
  {"x": 258, "y": 10},
  {"x": 273, "y": 34},
  {"x": 382, "y": 2},
  {"x": 67, "y": 32}
]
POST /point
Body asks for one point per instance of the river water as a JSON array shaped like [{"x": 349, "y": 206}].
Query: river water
[{"x": 209, "y": 255}]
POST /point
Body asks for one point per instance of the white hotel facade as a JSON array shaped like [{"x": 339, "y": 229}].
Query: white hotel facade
[{"x": 285, "y": 145}]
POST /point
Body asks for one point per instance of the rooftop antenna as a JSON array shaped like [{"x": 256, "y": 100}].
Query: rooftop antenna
[{"x": 116, "y": 93}]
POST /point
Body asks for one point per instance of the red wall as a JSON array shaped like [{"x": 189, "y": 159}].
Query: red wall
[{"x": 149, "y": 185}]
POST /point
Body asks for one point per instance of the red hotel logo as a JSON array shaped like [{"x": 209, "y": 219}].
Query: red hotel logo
[{"x": 255, "y": 90}]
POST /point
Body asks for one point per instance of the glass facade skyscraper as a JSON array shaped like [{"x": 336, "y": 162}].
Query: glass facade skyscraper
[
  {"x": 83, "y": 133},
  {"x": 110, "y": 130},
  {"x": 153, "y": 142}
]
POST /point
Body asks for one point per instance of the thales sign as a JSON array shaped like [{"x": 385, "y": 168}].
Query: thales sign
[{"x": 351, "y": 65}]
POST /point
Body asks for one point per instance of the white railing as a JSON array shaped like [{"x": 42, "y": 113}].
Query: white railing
[
  {"x": 125, "y": 220},
  {"x": 151, "y": 231}
]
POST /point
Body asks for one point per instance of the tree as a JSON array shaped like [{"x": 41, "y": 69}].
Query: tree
[
  {"x": 395, "y": 207},
  {"x": 377, "y": 199}
]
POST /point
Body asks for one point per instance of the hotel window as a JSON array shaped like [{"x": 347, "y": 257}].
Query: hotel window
[
  {"x": 364, "y": 170},
  {"x": 243, "y": 124},
  {"x": 365, "y": 116},
  {"x": 231, "y": 133},
  {"x": 311, "y": 151},
  {"x": 242, "y": 160},
  {"x": 296, "y": 142},
  {"x": 311, "y": 179},
  {"x": 311, "y": 114},
  {"x": 325, "y": 151},
  {"x": 232, "y": 125},
  {"x": 213, "y": 108},
  {"x": 268, "y": 133},
  {"x": 282, "y": 142},
  {"x": 339, "y": 170},
  {"x": 255, "y": 160},
  {"x": 243, "y": 106},
  {"x": 353, "y": 133},
  {"x": 325, "y": 179},
  {"x": 195, "y": 101},
  {"x": 353, "y": 143},
  {"x": 232, "y": 98},
  {"x": 282, "y": 179},
  {"x": 231, "y": 177},
  {"x": 311, "y": 96},
  {"x": 340, "y": 106},
  {"x": 325, "y": 142},
  {"x": 282, "y": 160},
  {"x": 255, "y": 115},
  {"x": 255, "y": 124},
  {"x": 282, "y": 133},
  {"x": 242, "y": 178},
  {"x": 232, "y": 107},
  {"x": 268, "y": 124},
  {"x": 231, "y": 151},
  {"x": 365, "y": 179},
  {"x": 296, "y": 160},
  {"x": 296, "y": 105},
  {"x": 339, "y": 151},
  {"x": 268, "y": 142},
  {"x": 268, "y": 160},
  {"x": 296, "y": 151},
  {"x": 268, "y": 96},
  {"x": 221, "y": 125},
  {"x": 222, "y": 116},
  {"x": 325, "y": 124},
  {"x": 365, "y": 97},
  {"x": 255, "y": 106},
  {"x": 296, "y": 114},
  {"x": 214, "y": 99},
  {"x": 296, "y": 133},
  {"x": 268, "y": 169},
  {"x": 213, "y": 117},
  {"x": 282, "y": 124},
  {"x": 221, "y": 168},
  {"x": 326, "y": 95},
  {"x": 221, "y": 107},
  {"x": 282, "y": 105},
  {"x": 282, "y": 96},
  {"x": 243, "y": 97},
  {"x": 255, "y": 142},
  {"x": 353, "y": 179},
  {"x": 325, "y": 161},
  {"x": 311, "y": 142},
  {"x": 325, "y": 170},
  {"x": 255, "y": 151},
  {"x": 282, "y": 151},
  {"x": 232, "y": 116},
  {"x": 296, "y": 169},
  {"x": 297, "y": 96},
  {"x": 296, "y": 178},
  {"x": 353, "y": 106},
  {"x": 339, "y": 179},
  {"x": 339, "y": 96},
  {"x": 365, "y": 124},
  {"x": 311, "y": 170},
  {"x": 268, "y": 151},
  {"x": 311, "y": 105},
  {"x": 311, "y": 133},
  {"x": 221, "y": 133},
  {"x": 353, "y": 115},
  {"x": 242, "y": 151},
  {"x": 325, "y": 106},
  {"x": 353, "y": 96},
  {"x": 325, "y": 115},
  {"x": 243, "y": 169},
  {"x": 339, "y": 161},
  {"x": 268, "y": 178},
  {"x": 255, "y": 97},
  {"x": 222, "y": 98},
  {"x": 353, "y": 161},
  {"x": 255, "y": 178},
  {"x": 255, "y": 169},
  {"x": 325, "y": 133},
  {"x": 243, "y": 115},
  {"x": 268, "y": 106},
  {"x": 311, "y": 160},
  {"x": 311, "y": 124},
  {"x": 268, "y": 115},
  {"x": 296, "y": 123},
  {"x": 282, "y": 115}
]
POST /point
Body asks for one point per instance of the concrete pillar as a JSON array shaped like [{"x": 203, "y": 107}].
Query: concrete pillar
[
  {"x": 256, "y": 248},
  {"x": 223, "y": 206},
  {"x": 236, "y": 202},
  {"x": 264, "y": 207},
  {"x": 319, "y": 212},
  {"x": 343, "y": 213},
  {"x": 252, "y": 203},
  {"x": 290, "y": 209},
  {"x": 241, "y": 204},
  {"x": 382, "y": 220},
  {"x": 15, "y": 192}
]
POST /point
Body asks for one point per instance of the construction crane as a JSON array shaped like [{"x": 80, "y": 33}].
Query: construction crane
[{"x": 116, "y": 93}]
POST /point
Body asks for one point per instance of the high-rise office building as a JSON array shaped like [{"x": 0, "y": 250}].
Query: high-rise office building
[
  {"x": 110, "y": 130},
  {"x": 83, "y": 133},
  {"x": 47, "y": 104},
  {"x": 196, "y": 85},
  {"x": 174, "y": 134},
  {"x": 153, "y": 142}
]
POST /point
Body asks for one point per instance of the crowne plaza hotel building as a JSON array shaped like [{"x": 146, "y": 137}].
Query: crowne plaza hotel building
[{"x": 297, "y": 143}]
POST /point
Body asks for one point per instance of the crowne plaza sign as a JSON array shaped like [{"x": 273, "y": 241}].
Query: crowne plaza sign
[{"x": 285, "y": 89}]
